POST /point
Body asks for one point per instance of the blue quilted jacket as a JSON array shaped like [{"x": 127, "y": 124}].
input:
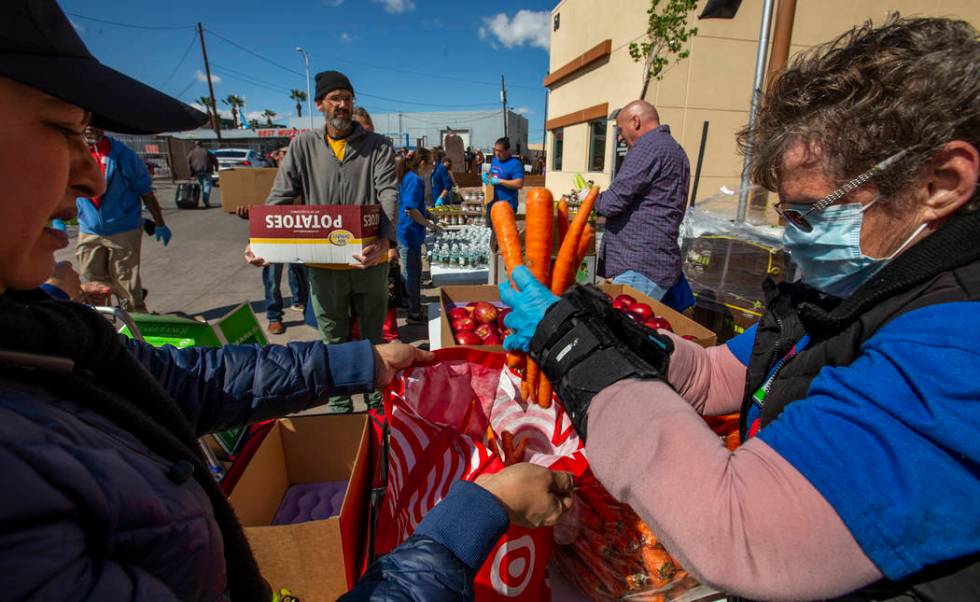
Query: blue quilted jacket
[{"x": 88, "y": 512}]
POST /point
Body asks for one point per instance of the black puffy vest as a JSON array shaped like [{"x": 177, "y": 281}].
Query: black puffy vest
[{"x": 942, "y": 268}]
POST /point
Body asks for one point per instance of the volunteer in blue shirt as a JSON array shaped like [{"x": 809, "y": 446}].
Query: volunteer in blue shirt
[
  {"x": 412, "y": 222},
  {"x": 858, "y": 390},
  {"x": 506, "y": 175},
  {"x": 442, "y": 181},
  {"x": 111, "y": 224}
]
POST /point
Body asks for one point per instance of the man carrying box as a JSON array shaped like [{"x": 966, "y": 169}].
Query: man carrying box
[{"x": 344, "y": 165}]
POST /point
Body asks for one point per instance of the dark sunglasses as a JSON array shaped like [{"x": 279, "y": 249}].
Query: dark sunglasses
[{"x": 798, "y": 217}]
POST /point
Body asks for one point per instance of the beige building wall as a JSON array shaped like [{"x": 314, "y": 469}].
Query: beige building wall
[{"x": 713, "y": 84}]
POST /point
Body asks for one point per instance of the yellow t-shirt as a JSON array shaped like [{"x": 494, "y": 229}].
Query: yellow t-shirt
[{"x": 338, "y": 147}]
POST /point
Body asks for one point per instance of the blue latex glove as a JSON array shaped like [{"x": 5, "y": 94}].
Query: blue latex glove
[
  {"x": 58, "y": 224},
  {"x": 529, "y": 305},
  {"x": 163, "y": 235},
  {"x": 494, "y": 180},
  {"x": 485, "y": 178},
  {"x": 440, "y": 202}
]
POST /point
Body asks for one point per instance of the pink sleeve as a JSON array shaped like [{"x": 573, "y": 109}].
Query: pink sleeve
[
  {"x": 712, "y": 380},
  {"x": 744, "y": 522}
]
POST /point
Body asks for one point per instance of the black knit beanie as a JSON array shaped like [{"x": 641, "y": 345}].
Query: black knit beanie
[{"x": 328, "y": 81}]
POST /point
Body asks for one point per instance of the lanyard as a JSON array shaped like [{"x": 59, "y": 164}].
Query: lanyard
[{"x": 759, "y": 397}]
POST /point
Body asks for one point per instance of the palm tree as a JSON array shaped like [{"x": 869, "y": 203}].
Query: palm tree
[
  {"x": 269, "y": 114},
  {"x": 208, "y": 108},
  {"x": 235, "y": 102},
  {"x": 300, "y": 97}
]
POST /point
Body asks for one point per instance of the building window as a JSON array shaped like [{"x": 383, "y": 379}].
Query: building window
[
  {"x": 597, "y": 146},
  {"x": 557, "y": 144}
]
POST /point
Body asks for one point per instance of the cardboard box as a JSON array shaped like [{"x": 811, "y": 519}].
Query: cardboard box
[
  {"x": 244, "y": 187},
  {"x": 317, "y": 560},
  {"x": 451, "y": 296},
  {"x": 237, "y": 327},
  {"x": 313, "y": 234}
]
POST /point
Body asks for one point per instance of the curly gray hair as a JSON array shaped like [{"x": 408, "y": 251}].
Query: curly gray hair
[{"x": 910, "y": 84}]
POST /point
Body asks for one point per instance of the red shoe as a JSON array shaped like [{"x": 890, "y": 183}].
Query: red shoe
[
  {"x": 276, "y": 328},
  {"x": 390, "y": 332}
]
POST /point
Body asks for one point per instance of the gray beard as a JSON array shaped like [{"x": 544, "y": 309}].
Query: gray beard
[{"x": 340, "y": 123}]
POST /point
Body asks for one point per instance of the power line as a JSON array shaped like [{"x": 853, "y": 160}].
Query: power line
[
  {"x": 132, "y": 25},
  {"x": 179, "y": 63},
  {"x": 235, "y": 74},
  {"x": 186, "y": 88},
  {"x": 256, "y": 55}
]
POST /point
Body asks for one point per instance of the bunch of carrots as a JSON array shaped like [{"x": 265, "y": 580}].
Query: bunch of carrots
[
  {"x": 614, "y": 553},
  {"x": 574, "y": 239}
]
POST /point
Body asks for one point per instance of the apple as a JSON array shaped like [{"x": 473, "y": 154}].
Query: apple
[
  {"x": 492, "y": 339},
  {"x": 485, "y": 313},
  {"x": 658, "y": 323},
  {"x": 620, "y": 305},
  {"x": 643, "y": 309},
  {"x": 501, "y": 314},
  {"x": 464, "y": 325},
  {"x": 458, "y": 313},
  {"x": 625, "y": 299},
  {"x": 485, "y": 330},
  {"x": 468, "y": 338}
]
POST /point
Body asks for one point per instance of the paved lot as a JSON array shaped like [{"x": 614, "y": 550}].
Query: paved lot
[{"x": 202, "y": 272}]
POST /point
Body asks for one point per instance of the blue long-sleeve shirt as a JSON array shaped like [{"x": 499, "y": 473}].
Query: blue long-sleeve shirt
[
  {"x": 644, "y": 207},
  {"x": 441, "y": 181},
  {"x": 892, "y": 441}
]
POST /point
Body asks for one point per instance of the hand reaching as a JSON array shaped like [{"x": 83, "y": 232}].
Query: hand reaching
[{"x": 533, "y": 496}]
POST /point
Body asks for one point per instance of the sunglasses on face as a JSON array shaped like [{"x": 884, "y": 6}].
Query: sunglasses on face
[{"x": 798, "y": 217}]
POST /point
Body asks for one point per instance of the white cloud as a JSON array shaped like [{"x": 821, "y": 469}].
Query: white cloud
[
  {"x": 334, "y": 3},
  {"x": 525, "y": 28},
  {"x": 203, "y": 77},
  {"x": 347, "y": 38},
  {"x": 255, "y": 115},
  {"x": 396, "y": 6},
  {"x": 523, "y": 111}
]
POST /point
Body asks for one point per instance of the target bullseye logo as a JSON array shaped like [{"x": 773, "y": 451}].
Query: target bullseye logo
[{"x": 513, "y": 566}]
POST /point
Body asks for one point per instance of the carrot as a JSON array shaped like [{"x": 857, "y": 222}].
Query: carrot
[
  {"x": 544, "y": 392},
  {"x": 505, "y": 228},
  {"x": 515, "y": 360},
  {"x": 537, "y": 250},
  {"x": 562, "y": 219},
  {"x": 565, "y": 265},
  {"x": 538, "y": 232},
  {"x": 588, "y": 235}
]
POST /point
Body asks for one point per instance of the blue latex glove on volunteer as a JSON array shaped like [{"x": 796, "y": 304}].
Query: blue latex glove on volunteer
[
  {"x": 440, "y": 202},
  {"x": 486, "y": 179},
  {"x": 494, "y": 180},
  {"x": 163, "y": 235},
  {"x": 58, "y": 224},
  {"x": 529, "y": 305}
]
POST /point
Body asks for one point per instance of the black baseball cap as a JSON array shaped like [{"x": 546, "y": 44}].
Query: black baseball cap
[{"x": 40, "y": 48}]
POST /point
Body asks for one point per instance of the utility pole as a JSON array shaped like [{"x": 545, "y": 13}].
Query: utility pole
[
  {"x": 207, "y": 69},
  {"x": 309, "y": 95},
  {"x": 503, "y": 103},
  {"x": 760, "y": 69}
]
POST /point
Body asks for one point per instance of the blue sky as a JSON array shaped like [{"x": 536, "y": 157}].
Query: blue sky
[{"x": 401, "y": 55}]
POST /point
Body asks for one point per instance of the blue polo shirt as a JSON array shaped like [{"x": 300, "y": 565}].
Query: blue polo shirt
[
  {"x": 411, "y": 195},
  {"x": 440, "y": 180},
  {"x": 511, "y": 169},
  {"x": 892, "y": 441}
]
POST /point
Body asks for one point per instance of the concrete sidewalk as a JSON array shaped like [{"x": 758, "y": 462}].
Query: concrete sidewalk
[{"x": 202, "y": 271}]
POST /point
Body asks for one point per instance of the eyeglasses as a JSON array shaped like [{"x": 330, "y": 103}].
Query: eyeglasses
[
  {"x": 336, "y": 100},
  {"x": 798, "y": 217}
]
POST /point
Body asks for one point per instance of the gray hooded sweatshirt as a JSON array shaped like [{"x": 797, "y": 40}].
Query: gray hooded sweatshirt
[{"x": 366, "y": 176}]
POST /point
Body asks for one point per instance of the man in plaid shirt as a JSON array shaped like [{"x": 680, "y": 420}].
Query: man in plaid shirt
[{"x": 644, "y": 206}]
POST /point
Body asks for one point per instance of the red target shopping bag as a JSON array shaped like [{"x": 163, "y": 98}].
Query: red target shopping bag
[{"x": 458, "y": 418}]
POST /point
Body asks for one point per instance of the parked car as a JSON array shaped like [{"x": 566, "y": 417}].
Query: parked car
[{"x": 229, "y": 158}]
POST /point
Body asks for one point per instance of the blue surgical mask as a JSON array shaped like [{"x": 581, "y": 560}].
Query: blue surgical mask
[{"x": 830, "y": 254}]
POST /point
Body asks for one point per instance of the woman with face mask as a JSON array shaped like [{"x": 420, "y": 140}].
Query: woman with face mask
[{"x": 859, "y": 392}]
